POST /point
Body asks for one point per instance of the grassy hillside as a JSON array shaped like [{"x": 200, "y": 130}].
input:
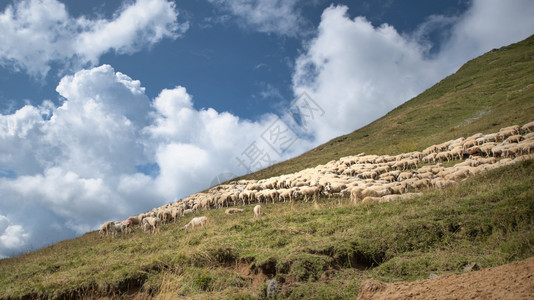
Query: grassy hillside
[
  {"x": 487, "y": 93},
  {"x": 326, "y": 251},
  {"x": 314, "y": 252}
]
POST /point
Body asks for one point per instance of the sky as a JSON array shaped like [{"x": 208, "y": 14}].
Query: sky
[{"x": 111, "y": 108}]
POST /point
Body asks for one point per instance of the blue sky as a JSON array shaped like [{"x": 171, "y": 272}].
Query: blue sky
[
  {"x": 111, "y": 108},
  {"x": 224, "y": 65}
]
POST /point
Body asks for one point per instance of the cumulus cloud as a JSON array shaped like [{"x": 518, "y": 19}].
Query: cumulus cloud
[
  {"x": 281, "y": 17},
  {"x": 84, "y": 162},
  {"x": 12, "y": 237},
  {"x": 39, "y": 33},
  {"x": 76, "y": 165},
  {"x": 358, "y": 72}
]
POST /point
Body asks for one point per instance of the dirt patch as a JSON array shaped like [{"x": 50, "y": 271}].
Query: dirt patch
[{"x": 511, "y": 281}]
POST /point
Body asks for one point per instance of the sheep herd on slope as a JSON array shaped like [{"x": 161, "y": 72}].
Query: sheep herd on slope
[{"x": 365, "y": 178}]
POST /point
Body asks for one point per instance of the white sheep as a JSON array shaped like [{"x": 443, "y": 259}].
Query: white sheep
[
  {"x": 105, "y": 229},
  {"x": 117, "y": 227},
  {"x": 513, "y": 139},
  {"x": 152, "y": 224},
  {"x": 196, "y": 222},
  {"x": 528, "y": 127},
  {"x": 311, "y": 192},
  {"x": 232, "y": 210},
  {"x": 188, "y": 212},
  {"x": 257, "y": 211}
]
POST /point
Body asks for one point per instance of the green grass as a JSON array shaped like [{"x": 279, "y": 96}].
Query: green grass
[
  {"x": 326, "y": 252},
  {"x": 492, "y": 91},
  {"x": 315, "y": 253}
]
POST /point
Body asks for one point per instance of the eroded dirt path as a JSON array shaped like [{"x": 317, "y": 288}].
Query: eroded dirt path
[{"x": 511, "y": 281}]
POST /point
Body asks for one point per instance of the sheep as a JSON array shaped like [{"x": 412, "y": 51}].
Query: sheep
[
  {"x": 336, "y": 188},
  {"x": 527, "y": 147},
  {"x": 441, "y": 183},
  {"x": 457, "y": 152},
  {"x": 506, "y": 133},
  {"x": 177, "y": 212},
  {"x": 230, "y": 211},
  {"x": 486, "y": 148},
  {"x": 359, "y": 193},
  {"x": 136, "y": 220},
  {"x": 195, "y": 222},
  {"x": 165, "y": 215},
  {"x": 429, "y": 150},
  {"x": 513, "y": 128},
  {"x": 419, "y": 184},
  {"x": 152, "y": 224},
  {"x": 528, "y": 127},
  {"x": 429, "y": 158},
  {"x": 487, "y": 138},
  {"x": 405, "y": 175},
  {"x": 312, "y": 191},
  {"x": 390, "y": 198},
  {"x": 398, "y": 188},
  {"x": 187, "y": 212},
  {"x": 473, "y": 150},
  {"x": 513, "y": 139},
  {"x": 105, "y": 229},
  {"x": 117, "y": 227},
  {"x": 284, "y": 194},
  {"x": 442, "y": 156},
  {"x": 257, "y": 211},
  {"x": 370, "y": 199}
]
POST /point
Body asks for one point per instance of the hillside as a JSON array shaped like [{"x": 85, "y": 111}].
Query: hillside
[
  {"x": 326, "y": 249},
  {"x": 484, "y": 95}
]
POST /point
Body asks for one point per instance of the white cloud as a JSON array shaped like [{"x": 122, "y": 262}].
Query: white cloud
[
  {"x": 78, "y": 164},
  {"x": 12, "y": 237},
  {"x": 38, "y": 33},
  {"x": 75, "y": 165},
  {"x": 280, "y": 17},
  {"x": 487, "y": 25},
  {"x": 358, "y": 72}
]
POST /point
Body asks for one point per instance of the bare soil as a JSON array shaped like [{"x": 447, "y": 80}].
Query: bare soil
[{"x": 511, "y": 281}]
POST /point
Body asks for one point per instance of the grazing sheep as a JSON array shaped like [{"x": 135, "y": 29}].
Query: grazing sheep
[
  {"x": 117, "y": 227},
  {"x": 127, "y": 225},
  {"x": 105, "y": 229},
  {"x": 335, "y": 188},
  {"x": 196, "y": 222},
  {"x": 528, "y": 127},
  {"x": 177, "y": 212},
  {"x": 284, "y": 194},
  {"x": 152, "y": 224},
  {"x": 188, "y": 212},
  {"x": 370, "y": 199},
  {"x": 135, "y": 220},
  {"x": 404, "y": 176},
  {"x": 311, "y": 192},
  {"x": 165, "y": 215},
  {"x": 514, "y": 128},
  {"x": 513, "y": 139},
  {"x": 442, "y": 156},
  {"x": 257, "y": 211},
  {"x": 230, "y": 211},
  {"x": 390, "y": 198}
]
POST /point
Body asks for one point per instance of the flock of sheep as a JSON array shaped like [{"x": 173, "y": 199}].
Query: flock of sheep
[{"x": 365, "y": 178}]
